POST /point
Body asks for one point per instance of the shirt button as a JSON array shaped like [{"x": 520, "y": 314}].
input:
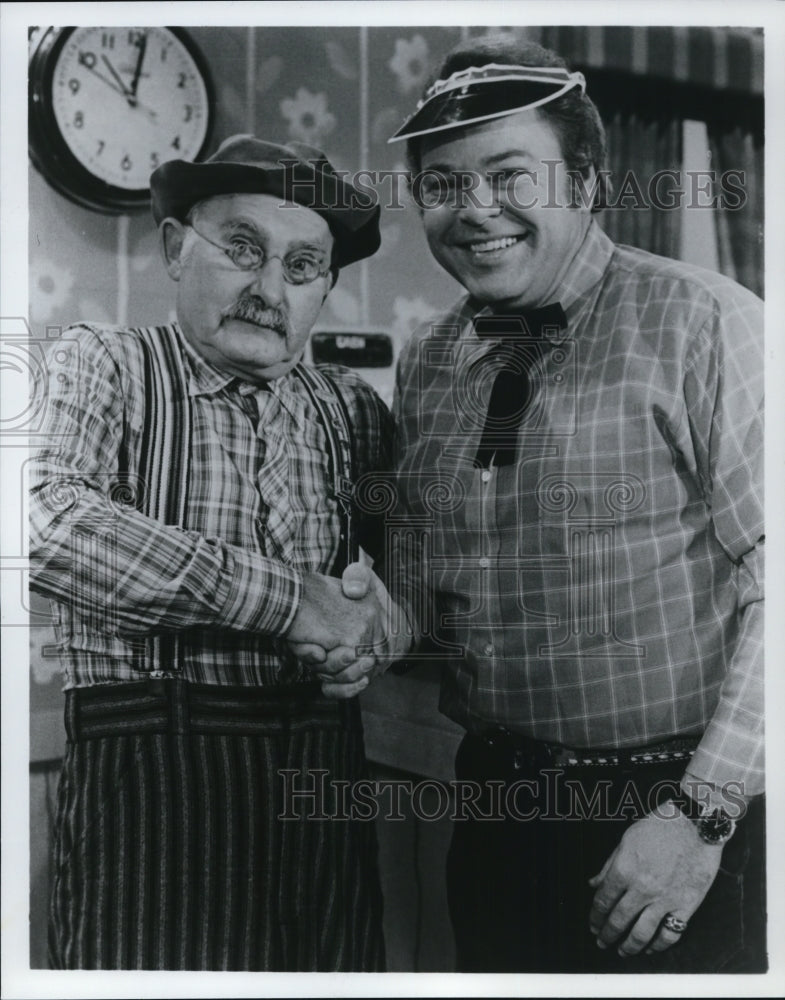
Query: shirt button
[
  {"x": 486, "y": 476},
  {"x": 488, "y": 649},
  {"x": 485, "y": 562}
]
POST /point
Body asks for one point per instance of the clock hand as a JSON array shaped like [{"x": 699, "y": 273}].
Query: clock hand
[
  {"x": 130, "y": 95},
  {"x": 101, "y": 76},
  {"x": 116, "y": 75},
  {"x": 137, "y": 72},
  {"x": 132, "y": 101}
]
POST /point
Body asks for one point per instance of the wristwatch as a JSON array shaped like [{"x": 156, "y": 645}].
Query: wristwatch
[{"x": 714, "y": 825}]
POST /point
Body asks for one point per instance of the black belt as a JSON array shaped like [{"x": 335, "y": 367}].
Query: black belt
[
  {"x": 174, "y": 705},
  {"x": 522, "y": 751}
]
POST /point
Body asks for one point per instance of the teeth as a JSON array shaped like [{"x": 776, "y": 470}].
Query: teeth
[{"x": 488, "y": 245}]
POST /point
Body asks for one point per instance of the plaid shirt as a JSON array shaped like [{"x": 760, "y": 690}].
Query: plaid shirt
[
  {"x": 605, "y": 590},
  {"x": 258, "y": 515}
]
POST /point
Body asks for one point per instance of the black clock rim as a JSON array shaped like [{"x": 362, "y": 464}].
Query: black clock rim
[{"x": 49, "y": 151}]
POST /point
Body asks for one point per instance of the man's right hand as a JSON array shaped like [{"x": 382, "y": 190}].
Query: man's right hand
[
  {"x": 328, "y": 619},
  {"x": 344, "y": 669}
]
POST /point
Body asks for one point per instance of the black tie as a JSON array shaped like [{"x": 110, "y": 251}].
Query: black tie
[{"x": 521, "y": 345}]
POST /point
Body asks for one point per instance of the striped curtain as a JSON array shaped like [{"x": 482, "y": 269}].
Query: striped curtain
[
  {"x": 637, "y": 150},
  {"x": 711, "y": 74},
  {"x": 740, "y": 229},
  {"x": 718, "y": 58}
]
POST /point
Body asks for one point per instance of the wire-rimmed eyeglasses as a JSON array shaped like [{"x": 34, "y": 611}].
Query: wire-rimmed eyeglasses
[{"x": 299, "y": 266}]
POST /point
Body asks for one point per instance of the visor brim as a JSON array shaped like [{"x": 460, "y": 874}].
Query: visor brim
[{"x": 480, "y": 102}]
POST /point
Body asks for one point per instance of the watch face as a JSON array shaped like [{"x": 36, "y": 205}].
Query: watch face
[
  {"x": 716, "y": 828},
  {"x": 126, "y": 100}
]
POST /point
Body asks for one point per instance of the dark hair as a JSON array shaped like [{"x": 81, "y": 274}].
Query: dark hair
[{"x": 574, "y": 116}]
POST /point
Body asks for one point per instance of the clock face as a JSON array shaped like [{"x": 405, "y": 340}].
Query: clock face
[
  {"x": 126, "y": 100},
  {"x": 108, "y": 105}
]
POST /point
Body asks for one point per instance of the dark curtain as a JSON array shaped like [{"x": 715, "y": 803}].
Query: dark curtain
[
  {"x": 637, "y": 150},
  {"x": 739, "y": 226}
]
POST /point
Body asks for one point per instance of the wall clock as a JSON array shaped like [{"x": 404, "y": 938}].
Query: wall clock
[{"x": 108, "y": 105}]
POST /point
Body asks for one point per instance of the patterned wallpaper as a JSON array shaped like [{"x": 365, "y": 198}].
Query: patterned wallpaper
[{"x": 342, "y": 89}]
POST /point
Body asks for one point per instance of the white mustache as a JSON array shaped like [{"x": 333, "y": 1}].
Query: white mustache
[{"x": 251, "y": 309}]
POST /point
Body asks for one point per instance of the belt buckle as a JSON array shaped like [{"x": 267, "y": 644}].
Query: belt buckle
[{"x": 495, "y": 736}]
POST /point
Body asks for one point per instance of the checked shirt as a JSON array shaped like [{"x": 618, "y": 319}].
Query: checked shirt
[
  {"x": 258, "y": 516},
  {"x": 606, "y": 589}
]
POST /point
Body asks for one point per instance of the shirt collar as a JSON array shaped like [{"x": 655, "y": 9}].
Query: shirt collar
[
  {"x": 205, "y": 379},
  {"x": 587, "y": 266}
]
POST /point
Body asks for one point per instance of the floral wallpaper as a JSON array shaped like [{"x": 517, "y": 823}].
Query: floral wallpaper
[{"x": 344, "y": 90}]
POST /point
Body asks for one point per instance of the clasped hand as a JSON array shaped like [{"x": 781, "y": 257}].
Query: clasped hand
[{"x": 348, "y": 631}]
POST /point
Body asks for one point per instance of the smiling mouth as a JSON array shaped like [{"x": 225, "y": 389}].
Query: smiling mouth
[{"x": 492, "y": 246}]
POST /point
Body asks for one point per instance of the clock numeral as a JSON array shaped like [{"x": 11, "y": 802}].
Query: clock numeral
[
  {"x": 107, "y": 41},
  {"x": 134, "y": 37},
  {"x": 189, "y": 113},
  {"x": 125, "y": 163},
  {"x": 78, "y": 120},
  {"x": 176, "y": 142},
  {"x": 100, "y": 149},
  {"x": 74, "y": 84},
  {"x": 181, "y": 77},
  {"x": 164, "y": 50},
  {"x": 154, "y": 161},
  {"x": 87, "y": 59}
]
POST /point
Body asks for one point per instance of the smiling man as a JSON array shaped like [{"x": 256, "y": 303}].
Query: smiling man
[
  {"x": 523, "y": 259},
  {"x": 581, "y": 440},
  {"x": 185, "y": 521}
]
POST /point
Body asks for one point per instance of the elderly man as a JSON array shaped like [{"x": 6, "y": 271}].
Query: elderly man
[
  {"x": 187, "y": 516},
  {"x": 591, "y": 416}
]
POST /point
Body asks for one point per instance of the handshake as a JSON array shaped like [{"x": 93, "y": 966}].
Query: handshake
[{"x": 348, "y": 631}]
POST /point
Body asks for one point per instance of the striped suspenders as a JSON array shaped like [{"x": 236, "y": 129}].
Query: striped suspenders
[
  {"x": 164, "y": 461},
  {"x": 165, "y": 453},
  {"x": 334, "y": 416}
]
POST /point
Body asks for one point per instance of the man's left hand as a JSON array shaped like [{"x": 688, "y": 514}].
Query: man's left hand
[{"x": 661, "y": 866}]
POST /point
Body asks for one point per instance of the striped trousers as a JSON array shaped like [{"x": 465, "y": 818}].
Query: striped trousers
[{"x": 170, "y": 849}]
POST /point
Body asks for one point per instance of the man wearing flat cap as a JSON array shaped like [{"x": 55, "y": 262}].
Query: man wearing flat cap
[
  {"x": 594, "y": 583},
  {"x": 191, "y": 519}
]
